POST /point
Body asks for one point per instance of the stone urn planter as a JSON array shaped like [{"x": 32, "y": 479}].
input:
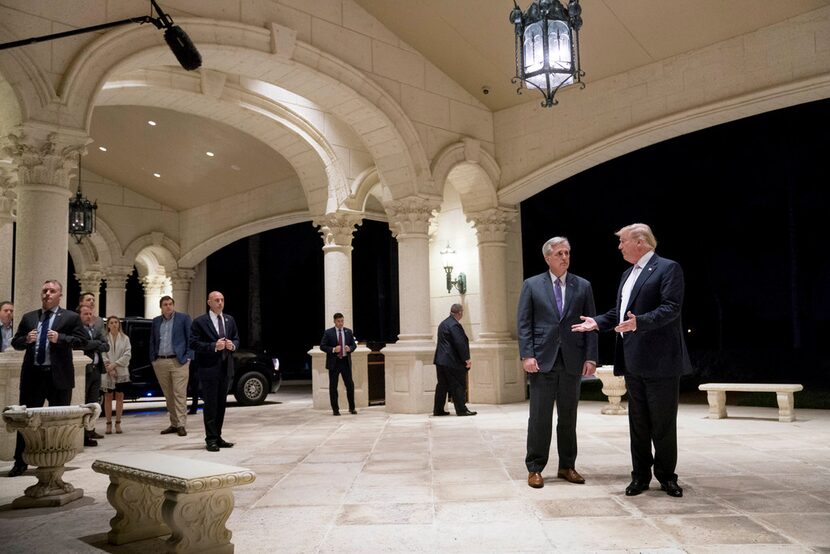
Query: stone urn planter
[
  {"x": 614, "y": 388},
  {"x": 51, "y": 435}
]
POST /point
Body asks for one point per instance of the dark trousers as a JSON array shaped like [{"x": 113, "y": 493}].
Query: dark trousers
[
  {"x": 562, "y": 388},
  {"x": 343, "y": 369},
  {"x": 652, "y": 419},
  {"x": 451, "y": 380},
  {"x": 35, "y": 390},
  {"x": 215, "y": 395},
  {"x": 92, "y": 384}
]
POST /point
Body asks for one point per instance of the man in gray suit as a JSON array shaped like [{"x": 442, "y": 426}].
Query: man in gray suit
[{"x": 555, "y": 359}]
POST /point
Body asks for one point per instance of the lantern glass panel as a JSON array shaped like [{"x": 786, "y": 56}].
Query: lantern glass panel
[{"x": 534, "y": 54}]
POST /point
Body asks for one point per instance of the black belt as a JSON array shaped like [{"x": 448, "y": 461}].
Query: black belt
[{"x": 168, "y": 357}]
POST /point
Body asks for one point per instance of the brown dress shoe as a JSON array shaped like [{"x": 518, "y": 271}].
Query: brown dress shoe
[
  {"x": 534, "y": 479},
  {"x": 169, "y": 430},
  {"x": 571, "y": 476}
]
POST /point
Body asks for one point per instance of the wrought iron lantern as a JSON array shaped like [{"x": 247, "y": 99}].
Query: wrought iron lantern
[
  {"x": 81, "y": 212},
  {"x": 447, "y": 260},
  {"x": 547, "y": 47}
]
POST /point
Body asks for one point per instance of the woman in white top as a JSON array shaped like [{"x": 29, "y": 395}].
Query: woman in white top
[{"x": 117, "y": 378}]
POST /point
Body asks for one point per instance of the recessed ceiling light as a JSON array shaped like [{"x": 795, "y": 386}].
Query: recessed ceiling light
[
  {"x": 102, "y": 148},
  {"x": 156, "y": 174},
  {"x": 235, "y": 167},
  {"x": 210, "y": 154},
  {"x": 151, "y": 123}
]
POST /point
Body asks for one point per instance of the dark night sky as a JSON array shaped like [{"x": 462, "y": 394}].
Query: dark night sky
[{"x": 740, "y": 206}]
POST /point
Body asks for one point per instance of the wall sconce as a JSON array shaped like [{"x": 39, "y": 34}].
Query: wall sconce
[{"x": 447, "y": 259}]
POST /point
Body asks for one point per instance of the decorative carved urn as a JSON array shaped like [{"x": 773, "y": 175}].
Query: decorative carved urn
[{"x": 614, "y": 388}]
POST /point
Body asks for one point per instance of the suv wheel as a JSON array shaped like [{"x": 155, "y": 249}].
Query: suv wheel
[{"x": 251, "y": 389}]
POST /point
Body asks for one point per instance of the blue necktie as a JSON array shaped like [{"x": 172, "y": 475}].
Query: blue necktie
[
  {"x": 557, "y": 292},
  {"x": 40, "y": 359}
]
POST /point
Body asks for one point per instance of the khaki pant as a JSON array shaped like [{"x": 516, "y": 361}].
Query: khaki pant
[{"x": 172, "y": 377}]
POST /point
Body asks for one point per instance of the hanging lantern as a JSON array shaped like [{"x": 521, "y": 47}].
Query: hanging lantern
[
  {"x": 547, "y": 47},
  {"x": 81, "y": 212}
]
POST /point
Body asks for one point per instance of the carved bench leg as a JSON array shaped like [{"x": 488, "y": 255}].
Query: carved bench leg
[
  {"x": 137, "y": 511},
  {"x": 197, "y": 521},
  {"x": 717, "y": 404},
  {"x": 786, "y": 406}
]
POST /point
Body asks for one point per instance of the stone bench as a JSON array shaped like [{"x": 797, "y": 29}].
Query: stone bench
[
  {"x": 716, "y": 394},
  {"x": 155, "y": 494}
]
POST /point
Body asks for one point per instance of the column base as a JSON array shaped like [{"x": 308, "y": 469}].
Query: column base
[
  {"x": 320, "y": 380},
  {"x": 497, "y": 376},
  {"x": 51, "y": 501},
  {"x": 410, "y": 377}
]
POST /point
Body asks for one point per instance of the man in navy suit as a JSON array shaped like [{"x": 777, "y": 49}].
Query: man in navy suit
[
  {"x": 48, "y": 336},
  {"x": 338, "y": 343},
  {"x": 555, "y": 359},
  {"x": 170, "y": 354},
  {"x": 651, "y": 353},
  {"x": 213, "y": 338},
  {"x": 452, "y": 362}
]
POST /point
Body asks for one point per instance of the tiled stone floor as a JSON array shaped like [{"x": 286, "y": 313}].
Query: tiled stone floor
[{"x": 377, "y": 482}]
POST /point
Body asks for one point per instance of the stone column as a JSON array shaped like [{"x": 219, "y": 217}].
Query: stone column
[
  {"x": 91, "y": 282},
  {"x": 496, "y": 376},
  {"x": 153, "y": 289},
  {"x": 181, "y": 279},
  {"x": 409, "y": 371},
  {"x": 337, "y": 231},
  {"x": 116, "y": 277},
  {"x": 7, "y": 207},
  {"x": 43, "y": 159}
]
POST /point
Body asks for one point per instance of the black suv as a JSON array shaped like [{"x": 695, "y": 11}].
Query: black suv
[{"x": 255, "y": 375}]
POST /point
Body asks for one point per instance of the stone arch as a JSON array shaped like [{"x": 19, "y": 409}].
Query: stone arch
[
  {"x": 202, "y": 250},
  {"x": 32, "y": 91},
  {"x": 156, "y": 250},
  {"x": 309, "y": 153},
  {"x": 251, "y": 52},
  {"x": 472, "y": 171}
]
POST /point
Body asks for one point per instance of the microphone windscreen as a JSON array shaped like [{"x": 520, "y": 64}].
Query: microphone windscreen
[{"x": 183, "y": 48}]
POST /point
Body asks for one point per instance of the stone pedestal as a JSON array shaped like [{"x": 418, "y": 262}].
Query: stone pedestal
[
  {"x": 10, "y": 363},
  {"x": 320, "y": 380},
  {"x": 410, "y": 377},
  {"x": 51, "y": 436},
  {"x": 497, "y": 376},
  {"x": 614, "y": 388}
]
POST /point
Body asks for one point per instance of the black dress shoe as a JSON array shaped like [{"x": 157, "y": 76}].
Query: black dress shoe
[
  {"x": 436, "y": 414},
  {"x": 672, "y": 489},
  {"x": 353, "y": 411},
  {"x": 335, "y": 413},
  {"x": 224, "y": 444},
  {"x": 212, "y": 446},
  {"x": 17, "y": 470},
  {"x": 468, "y": 412},
  {"x": 636, "y": 487},
  {"x": 90, "y": 442},
  {"x": 95, "y": 435},
  {"x": 193, "y": 410}
]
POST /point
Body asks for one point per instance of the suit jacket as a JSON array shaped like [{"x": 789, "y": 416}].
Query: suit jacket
[
  {"x": 97, "y": 343},
  {"x": 71, "y": 335},
  {"x": 543, "y": 332},
  {"x": 180, "y": 337},
  {"x": 329, "y": 341},
  {"x": 452, "y": 348},
  {"x": 657, "y": 348},
  {"x": 203, "y": 337}
]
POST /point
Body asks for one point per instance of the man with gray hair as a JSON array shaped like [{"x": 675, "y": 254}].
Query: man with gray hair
[
  {"x": 650, "y": 352},
  {"x": 555, "y": 359},
  {"x": 6, "y": 325},
  {"x": 452, "y": 361}
]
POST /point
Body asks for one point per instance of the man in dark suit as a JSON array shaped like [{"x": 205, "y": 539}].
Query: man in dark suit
[
  {"x": 651, "y": 353},
  {"x": 170, "y": 354},
  {"x": 555, "y": 359},
  {"x": 452, "y": 362},
  {"x": 48, "y": 336},
  {"x": 338, "y": 343},
  {"x": 96, "y": 344},
  {"x": 213, "y": 339}
]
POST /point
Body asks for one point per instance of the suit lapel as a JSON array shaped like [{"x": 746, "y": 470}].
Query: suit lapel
[
  {"x": 212, "y": 328},
  {"x": 644, "y": 276},
  {"x": 571, "y": 286}
]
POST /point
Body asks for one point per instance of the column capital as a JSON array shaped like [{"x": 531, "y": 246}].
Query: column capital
[
  {"x": 182, "y": 277},
  {"x": 337, "y": 228},
  {"x": 411, "y": 215},
  {"x": 8, "y": 196},
  {"x": 117, "y": 273},
  {"x": 153, "y": 283},
  {"x": 42, "y": 155},
  {"x": 90, "y": 280},
  {"x": 491, "y": 224}
]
